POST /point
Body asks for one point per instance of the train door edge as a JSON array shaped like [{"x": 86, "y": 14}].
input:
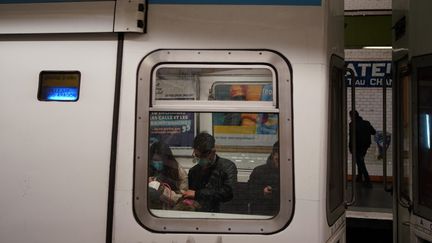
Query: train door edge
[{"x": 337, "y": 147}]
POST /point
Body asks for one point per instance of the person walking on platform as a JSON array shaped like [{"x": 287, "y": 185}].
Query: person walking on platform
[{"x": 364, "y": 130}]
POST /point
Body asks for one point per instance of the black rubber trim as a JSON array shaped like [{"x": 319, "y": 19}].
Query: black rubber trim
[{"x": 114, "y": 134}]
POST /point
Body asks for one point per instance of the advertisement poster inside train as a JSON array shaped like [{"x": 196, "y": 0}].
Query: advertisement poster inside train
[
  {"x": 177, "y": 129},
  {"x": 244, "y": 129},
  {"x": 175, "y": 89}
]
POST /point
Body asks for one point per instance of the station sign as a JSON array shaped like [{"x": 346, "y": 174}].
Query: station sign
[{"x": 370, "y": 74}]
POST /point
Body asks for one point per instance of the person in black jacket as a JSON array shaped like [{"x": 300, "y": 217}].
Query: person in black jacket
[
  {"x": 364, "y": 130},
  {"x": 212, "y": 180},
  {"x": 264, "y": 185}
]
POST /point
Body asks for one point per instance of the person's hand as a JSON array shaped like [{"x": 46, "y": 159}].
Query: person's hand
[
  {"x": 189, "y": 194},
  {"x": 267, "y": 190}
]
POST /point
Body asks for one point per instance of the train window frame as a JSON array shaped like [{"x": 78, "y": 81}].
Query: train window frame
[
  {"x": 419, "y": 62},
  {"x": 403, "y": 144},
  {"x": 333, "y": 214},
  {"x": 282, "y": 106}
]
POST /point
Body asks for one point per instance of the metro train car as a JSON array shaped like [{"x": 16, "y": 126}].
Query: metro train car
[
  {"x": 88, "y": 88},
  {"x": 412, "y": 57}
]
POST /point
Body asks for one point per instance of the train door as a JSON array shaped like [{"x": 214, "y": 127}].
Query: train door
[
  {"x": 403, "y": 149},
  {"x": 336, "y": 166},
  {"x": 56, "y": 105},
  {"x": 370, "y": 97},
  {"x": 421, "y": 220},
  {"x": 413, "y": 58},
  {"x": 414, "y": 154}
]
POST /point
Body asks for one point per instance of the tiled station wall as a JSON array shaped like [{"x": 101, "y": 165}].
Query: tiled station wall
[{"x": 369, "y": 104}]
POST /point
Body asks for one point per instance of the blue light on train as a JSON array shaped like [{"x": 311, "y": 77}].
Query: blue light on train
[{"x": 60, "y": 93}]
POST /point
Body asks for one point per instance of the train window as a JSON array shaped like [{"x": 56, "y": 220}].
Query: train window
[
  {"x": 336, "y": 154},
  {"x": 422, "y": 157},
  {"x": 208, "y": 142},
  {"x": 251, "y": 149},
  {"x": 424, "y": 135},
  {"x": 59, "y": 85},
  {"x": 179, "y": 84}
]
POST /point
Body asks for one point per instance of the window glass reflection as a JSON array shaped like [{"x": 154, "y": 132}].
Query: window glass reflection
[
  {"x": 240, "y": 84},
  {"x": 424, "y": 136},
  {"x": 212, "y": 167}
]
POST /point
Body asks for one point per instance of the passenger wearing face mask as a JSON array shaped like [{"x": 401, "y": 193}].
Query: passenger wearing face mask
[
  {"x": 212, "y": 179},
  {"x": 167, "y": 177}
]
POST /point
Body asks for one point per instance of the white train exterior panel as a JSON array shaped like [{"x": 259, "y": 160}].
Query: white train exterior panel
[
  {"x": 37, "y": 210},
  {"x": 55, "y": 156}
]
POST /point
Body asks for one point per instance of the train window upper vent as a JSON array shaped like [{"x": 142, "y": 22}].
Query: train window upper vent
[
  {"x": 217, "y": 86},
  {"x": 209, "y": 130}
]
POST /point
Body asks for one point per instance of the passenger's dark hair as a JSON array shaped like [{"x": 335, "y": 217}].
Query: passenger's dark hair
[
  {"x": 276, "y": 146},
  {"x": 275, "y": 150},
  {"x": 204, "y": 142},
  {"x": 171, "y": 166}
]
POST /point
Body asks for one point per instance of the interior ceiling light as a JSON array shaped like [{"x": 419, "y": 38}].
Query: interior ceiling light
[{"x": 378, "y": 47}]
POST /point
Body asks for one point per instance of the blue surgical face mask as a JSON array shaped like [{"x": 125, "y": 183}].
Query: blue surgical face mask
[{"x": 158, "y": 165}]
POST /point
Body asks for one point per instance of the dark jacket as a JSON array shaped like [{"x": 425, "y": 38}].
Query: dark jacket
[
  {"x": 364, "y": 130},
  {"x": 262, "y": 176},
  {"x": 214, "y": 184}
]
